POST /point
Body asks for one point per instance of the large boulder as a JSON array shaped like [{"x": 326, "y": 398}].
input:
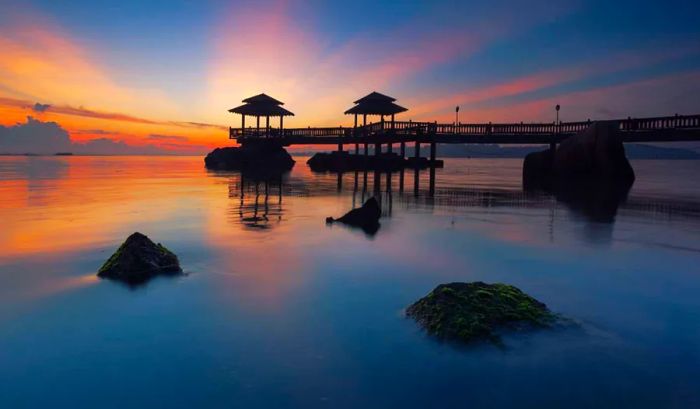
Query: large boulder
[
  {"x": 252, "y": 156},
  {"x": 597, "y": 152},
  {"x": 467, "y": 312},
  {"x": 365, "y": 217},
  {"x": 537, "y": 170},
  {"x": 138, "y": 259}
]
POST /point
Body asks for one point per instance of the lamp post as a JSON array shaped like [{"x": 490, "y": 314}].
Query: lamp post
[
  {"x": 557, "y": 108},
  {"x": 457, "y": 115}
]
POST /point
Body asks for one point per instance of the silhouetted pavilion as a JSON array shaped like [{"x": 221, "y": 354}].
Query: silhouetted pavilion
[
  {"x": 375, "y": 104},
  {"x": 261, "y": 105}
]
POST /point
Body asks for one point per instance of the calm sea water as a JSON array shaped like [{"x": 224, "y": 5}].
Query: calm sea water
[{"x": 280, "y": 310}]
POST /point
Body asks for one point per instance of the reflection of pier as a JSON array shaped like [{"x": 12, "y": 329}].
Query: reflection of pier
[{"x": 259, "y": 202}]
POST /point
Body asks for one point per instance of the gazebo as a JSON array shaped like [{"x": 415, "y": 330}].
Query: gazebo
[
  {"x": 261, "y": 105},
  {"x": 375, "y": 104}
]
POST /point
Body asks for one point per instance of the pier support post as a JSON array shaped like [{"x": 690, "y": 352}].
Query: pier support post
[
  {"x": 553, "y": 146},
  {"x": 416, "y": 181},
  {"x": 366, "y": 149},
  {"x": 433, "y": 148},
  {"x": 389, "y": 148},
  {"x": 377, "y": 149},
  {"x": 403, "y": 149},
  {"x": 416, "y": 152},
  {"x": 340, "y": 146},
  {"x": 357, "y": 149}
]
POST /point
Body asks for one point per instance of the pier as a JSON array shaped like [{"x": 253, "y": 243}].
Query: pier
[{"x": 388, "y": 133}]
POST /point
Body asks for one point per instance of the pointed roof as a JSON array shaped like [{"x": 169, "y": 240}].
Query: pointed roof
[
  {"x": 375, "y": 96},
  {"x": 263, "y": 98},
  {"x": 375, "y": 104},
  {"x": 261, "y": 105}
]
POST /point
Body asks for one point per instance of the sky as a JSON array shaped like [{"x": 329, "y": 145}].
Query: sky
[{"x": 159, "y": 76}]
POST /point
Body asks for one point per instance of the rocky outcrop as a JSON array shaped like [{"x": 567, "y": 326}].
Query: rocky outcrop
[
  {"x": 365, "y": 217},
  {"x": 253, "y": 156},
  {"x": 467, "y": 312},
  {"x": 594, "y": 154},
  {"x": 589, "y": 172},
  {"x": 597, "y": 153},
  {"x": 138, "y": 259}
]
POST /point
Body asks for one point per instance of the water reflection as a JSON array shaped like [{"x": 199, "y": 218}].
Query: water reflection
[{"x": 258, "y": 204}]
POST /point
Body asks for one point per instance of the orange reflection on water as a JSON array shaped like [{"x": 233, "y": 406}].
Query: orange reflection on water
[{"x": 62, "y": 205}]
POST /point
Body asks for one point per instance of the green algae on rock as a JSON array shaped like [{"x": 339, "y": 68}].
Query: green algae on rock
[
  {"x": 138, "y": 259},
  {"x": 468, "y": 312}
]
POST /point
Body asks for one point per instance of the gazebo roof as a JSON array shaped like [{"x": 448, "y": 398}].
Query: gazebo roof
[
  {"x": 261, "y": 105},
  {"x": 375, "y": 96},
  {"x": 262, "y": 98},
  {"x": 375, "y": 104},
  {"x": 260, "y": 109},
  {"x": 376, "y": 108}
]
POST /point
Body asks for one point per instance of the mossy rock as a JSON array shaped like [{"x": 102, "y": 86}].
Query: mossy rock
[
  {"x": 139, "y": 259},
  {"x": 467, "y": 312}
]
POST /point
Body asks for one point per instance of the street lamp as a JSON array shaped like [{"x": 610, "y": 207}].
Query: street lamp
[
  {"x": 557, "y": 108},
  {"x": 457, "y": 115}
]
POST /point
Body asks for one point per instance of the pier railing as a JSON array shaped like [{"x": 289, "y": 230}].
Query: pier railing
[{"x": 410, "y": 128}]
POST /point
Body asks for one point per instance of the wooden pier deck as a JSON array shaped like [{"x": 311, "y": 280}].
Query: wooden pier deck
[{"x": 657, "y": 129}]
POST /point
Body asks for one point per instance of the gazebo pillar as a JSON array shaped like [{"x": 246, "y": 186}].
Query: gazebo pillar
[
  {"x": 281, "y": 124},
  {"x": 257, "y": 122},
  {"x": 267, "y": 126},
  {"x": 392, "y": 121},
  {"x": 403, "y": 149},
  {"x": 242, "y": 124}
]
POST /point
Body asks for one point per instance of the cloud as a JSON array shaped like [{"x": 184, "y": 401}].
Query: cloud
[
  {"x": 47, "y": 138},
  {"x": 34, "y": 137},
  {"x": 168, "y": 138},
  {"x": 41, "y": 107}
]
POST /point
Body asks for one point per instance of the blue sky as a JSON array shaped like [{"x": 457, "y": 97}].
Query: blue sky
[{"x": 189, "y": 61}]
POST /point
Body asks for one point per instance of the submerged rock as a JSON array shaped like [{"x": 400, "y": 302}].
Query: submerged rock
[
  {"x": 139, "y": 259},
  {"x": 365, "y": 217},
  {"x": 253, "y": 156},
  {"x": 468, "y": 312}
]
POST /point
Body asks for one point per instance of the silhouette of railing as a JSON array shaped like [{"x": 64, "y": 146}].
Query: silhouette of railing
[{"x": 412, "y": 129}]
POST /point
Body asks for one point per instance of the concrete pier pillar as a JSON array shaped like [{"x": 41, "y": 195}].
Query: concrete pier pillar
[
  {"x": 389, "y": 147},
  {"x": 366, "y": 149},
  {"x": 433, "y": 149},
  {"x": 357, "y": 149},
  {"x": 377, "y": 149},
  {"x": 403, "y": 149},
  {"x": 416, "y": 152},
  {"x": 340, "y": 147}
]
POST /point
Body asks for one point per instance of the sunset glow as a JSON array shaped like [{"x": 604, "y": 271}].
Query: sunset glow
[{"x": 166, "y": 88}]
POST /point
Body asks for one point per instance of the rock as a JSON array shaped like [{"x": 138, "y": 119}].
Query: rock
[
  {"x": 537, "y": 170},
  {"x": 253, "y": 156},
  {"x": 469, "y": 312},
  {"x": 365, "y": 217},
  {"x": 597, "y": 152},
  {"x": 139, "y": 259}
]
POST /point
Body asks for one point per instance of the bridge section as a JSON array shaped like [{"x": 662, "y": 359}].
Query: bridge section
[{"x": 657, "y": 129}]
